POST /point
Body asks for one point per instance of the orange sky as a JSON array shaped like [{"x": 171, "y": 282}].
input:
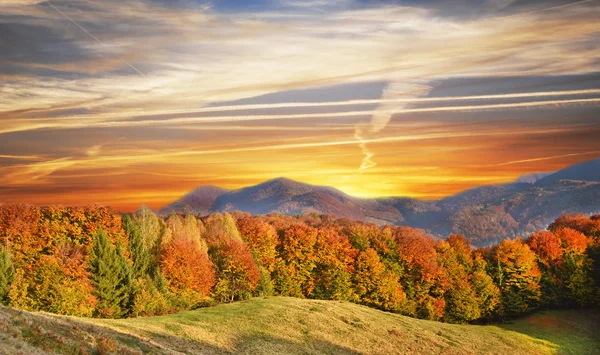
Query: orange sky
[{"x": 377, "y": 100}]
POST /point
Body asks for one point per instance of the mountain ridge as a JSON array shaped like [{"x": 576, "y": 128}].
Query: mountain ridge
[{"x": 484, "y": 214}]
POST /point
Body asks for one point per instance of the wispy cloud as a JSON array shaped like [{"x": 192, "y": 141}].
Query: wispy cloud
[
  {"x": 390, "y": 105},
  {"x": 99, "y": 89},
  {"x": 25, "y": 124}
]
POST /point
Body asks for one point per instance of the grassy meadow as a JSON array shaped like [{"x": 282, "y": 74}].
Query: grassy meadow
[{"x": 281, "y": 325}]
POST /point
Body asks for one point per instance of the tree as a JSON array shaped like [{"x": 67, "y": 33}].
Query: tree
[
  {"x": 18, "y": 292},
  {"x": 572, "y": 241},
  {"x": 187, "y": 228},
  {"x": 237, "y": 273},
  {"x": 150, "y": 229},
  {"x": 220, "y": 227},
  {"x": 265, "y": 284},
  {"x": 361, "y": 234},
  {"x": 374, "y": 285},
  {"x": 56, "y": 291},
  {"x": 334, "y": 266},
  {"x": 7, "y": 272},
  {"x": 140, "y": 254},
  {"x": 294, "y": 274},
  {"x": 111, "y": 277},
  {"x": 147, "y": 299},
  {"x": 550, "y": 257},
  {"x": 188, "y": 272},
  {"x": 488, "y": 294},
  {"x": 517, "y": 276},
  {"x": 589, "y": 226},
  {"x": 262, "y": 240},
  {"x": 461, "y": 303},
  {"x": 578, "y": 276},
  {"x": 420, "y": 272},
  {"x": 19, "y": 233}
]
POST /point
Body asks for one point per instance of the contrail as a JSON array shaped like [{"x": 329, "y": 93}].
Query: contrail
[
  {"x": 40, "y": 169},
  {"x": 383, "y": 114},
  {"x": 366, "y": 162},
  {"x": 215, "y": 119},
  {"x": 546, "y": 158},
  {"x": 185, "y": 153},
  {"x": 189, "y": 120},
  {"x": 340, "y": 103},
  {"x": 545, "y": 9},
  {"x": 94, "y": 37}
]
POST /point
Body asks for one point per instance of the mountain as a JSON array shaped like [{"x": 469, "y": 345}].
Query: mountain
[
  {"x": 587, "y": 171},
  {"x": 286, "y": 196},
  {"x": 198, "y": 201},
  {"x": 485, "y": 215}
]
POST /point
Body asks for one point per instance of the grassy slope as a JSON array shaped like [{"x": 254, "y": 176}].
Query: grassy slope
[{"x": 294, "y": 326}]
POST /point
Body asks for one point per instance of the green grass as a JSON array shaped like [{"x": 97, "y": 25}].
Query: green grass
[{"x": 280, "y": 325}]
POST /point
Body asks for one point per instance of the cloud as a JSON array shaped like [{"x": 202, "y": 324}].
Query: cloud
[
  {"x": 66, "y": 91},
  {"x": 24, "y": 124},
  {"x": 218, "y": 58},
  {"x": 93, "y": 150},
  {"x": 20, "y": 2},
  {"x": 93, "y": 37},
  {"x": 392, "y": 93}
]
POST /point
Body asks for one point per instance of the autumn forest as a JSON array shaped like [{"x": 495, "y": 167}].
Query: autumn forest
[{"x": 94, "y": 262}]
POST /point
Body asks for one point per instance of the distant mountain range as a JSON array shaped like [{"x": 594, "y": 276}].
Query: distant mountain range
[{"x": 485, "y": 214}]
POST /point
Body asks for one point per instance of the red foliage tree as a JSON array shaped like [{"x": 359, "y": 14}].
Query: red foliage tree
[
  {"x": 572, "y": 240},
  {"x": 261, "y": 238},
  {"x": 579, "y": 222},
  {"x": 546, "y": 245},
  {"x": 19, "y": 233},
  {"x": 298, "y": 260},
  {"x": 188, "y": 271}
]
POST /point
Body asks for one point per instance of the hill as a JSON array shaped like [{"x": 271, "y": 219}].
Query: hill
[
  {"x": 588, "y": 171},
  {"x": 198, "y": 201},
  {"x": 294, "y": 326},
  {"x": 484, "y": 215},
  {"x": 285, "y": 196},
  {"x": 290, "y": 197}
]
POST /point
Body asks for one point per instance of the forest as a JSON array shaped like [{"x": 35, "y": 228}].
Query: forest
[{"x": 94, "y": 262}]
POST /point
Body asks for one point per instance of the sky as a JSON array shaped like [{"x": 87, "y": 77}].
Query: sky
[{"x": 130, "y": 102}]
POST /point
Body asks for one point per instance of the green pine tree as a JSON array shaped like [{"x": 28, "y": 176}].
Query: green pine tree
[
  {"x": 7, "y": 272},
  {"x": 137, "y": 250},
  {"x": 127, "y": 281},
  {"x": 111, "y": 277}
]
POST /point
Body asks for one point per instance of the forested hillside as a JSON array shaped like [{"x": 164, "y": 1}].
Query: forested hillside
[{"x": 68, "y": 260}]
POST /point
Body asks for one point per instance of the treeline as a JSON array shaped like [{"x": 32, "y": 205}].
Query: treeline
[{"x": 93, "y": 262}]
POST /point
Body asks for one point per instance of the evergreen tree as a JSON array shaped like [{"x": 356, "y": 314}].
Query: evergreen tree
[
  {"x": 7, "y": 272},
  {"x": 265, "y": 285},
  {"x": 126, "y": 283},
  {"x": 111, "y": 277},
  {"x": 137, "y": 250}
]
